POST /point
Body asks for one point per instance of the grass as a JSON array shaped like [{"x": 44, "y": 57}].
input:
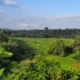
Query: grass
[
  {"x": 42, "y": 44},
  {"x": 66, "y": 62}
]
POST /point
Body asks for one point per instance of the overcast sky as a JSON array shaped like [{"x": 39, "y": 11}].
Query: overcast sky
[{"x": 37, "y": 14}]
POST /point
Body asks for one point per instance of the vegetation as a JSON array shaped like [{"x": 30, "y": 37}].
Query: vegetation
[
  {"x": 39, "y": 58},
  {"x": 46, "y": 33}
]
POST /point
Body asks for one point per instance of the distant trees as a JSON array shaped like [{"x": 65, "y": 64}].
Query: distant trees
[{"x": 45, "y": 33}]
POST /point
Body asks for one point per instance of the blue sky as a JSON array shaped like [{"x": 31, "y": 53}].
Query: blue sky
[{"x": 37, "y": 14}]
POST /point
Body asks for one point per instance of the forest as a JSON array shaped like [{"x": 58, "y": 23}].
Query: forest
[
  {"x": 44, "y": 33},
  {"x": 40, "y": 54}
]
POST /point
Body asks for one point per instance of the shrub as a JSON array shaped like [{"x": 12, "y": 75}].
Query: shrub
[{"x": 59, "y": 48}]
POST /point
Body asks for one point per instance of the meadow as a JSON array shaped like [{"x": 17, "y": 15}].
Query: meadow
[{"x": 41, "y": 46}]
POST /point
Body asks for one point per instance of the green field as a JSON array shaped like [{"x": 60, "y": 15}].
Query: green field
[{"x": 41, "y": 46}]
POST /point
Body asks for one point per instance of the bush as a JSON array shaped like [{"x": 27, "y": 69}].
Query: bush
[
  {"x": 59, "y": 48},
  {"x": 3, "y": 36}
]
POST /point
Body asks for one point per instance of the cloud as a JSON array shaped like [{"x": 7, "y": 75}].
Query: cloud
[
  {"x": 26, "y": 8},
  {"x": 67, "y": 17},
  {"x": 53, "y": 22},
  {"x": 23, "y": 25},
  {"x": 13, "y": 4},
  {"x": 9, "y": 2},
  {"x": 7, "y": 20},
  {"x": 26, "y": 25}
]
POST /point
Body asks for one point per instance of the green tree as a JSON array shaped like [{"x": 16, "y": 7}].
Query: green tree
[
  {"x": 3, "y": 36},
  {"x": 76, "y": 44},
  {"x": 57, "y": 48}
]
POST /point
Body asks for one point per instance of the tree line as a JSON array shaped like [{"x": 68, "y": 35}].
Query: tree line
[{"x": 45, "y": 33}]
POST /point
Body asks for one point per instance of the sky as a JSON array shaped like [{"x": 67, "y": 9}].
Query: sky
[{"x": 38, "y": 14}]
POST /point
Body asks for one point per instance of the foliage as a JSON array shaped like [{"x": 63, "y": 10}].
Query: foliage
[
  {"x": 44, "y": 69},
  {"x": 45, "y": 33},
  {"x": 14, "y": 48},
  {"x": 59, "y": 48},
  {"x": 41, "y": 69},
  {"x": 24, "y": 50},
  {"x": 76, "y": 48},
  {"x": 76, "y": 44},
  {"x": 3, "y": 54},
  {"x": 3, "y": 36},
  {"x": 1, "y": 71},
  {"x": 77, "y": 56}
]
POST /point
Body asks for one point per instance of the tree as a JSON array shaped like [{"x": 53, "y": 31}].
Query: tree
[
  {"x": 57, "y": 48},
  {"x": 60, "y": 49},
  {"x": 3, "y": 36},
  {"x": 76, "y": 44},
  {"x": 46, "y": 28}
]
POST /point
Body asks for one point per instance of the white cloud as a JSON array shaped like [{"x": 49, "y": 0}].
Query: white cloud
[
  {"x": 24, "y": 7},
  {"x": 23, "y": 25},
  {"x": 73, "y": 17},
  {"x": 34, "y": 25},
  {"x": 13, "y": 4},
  {"x": 9, "y": 2},
  {"x": 53, "y": 22},
  {"x": 26, "y": 25},
  {"x": 7, "y": 20}
]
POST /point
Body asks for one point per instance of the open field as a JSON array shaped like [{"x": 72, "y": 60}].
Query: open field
[{"x": 41, "y": 46}]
